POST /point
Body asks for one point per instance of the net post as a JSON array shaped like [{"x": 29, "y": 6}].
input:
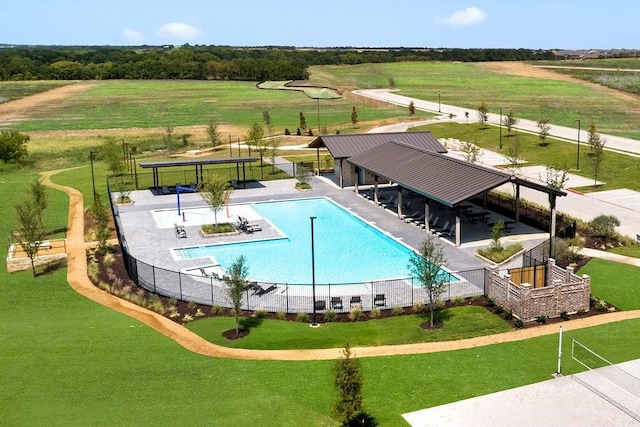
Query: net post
[{"x": 558, "y": 372}]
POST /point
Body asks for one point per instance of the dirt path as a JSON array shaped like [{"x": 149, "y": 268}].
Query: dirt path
[{"x": 77, "y": 278}]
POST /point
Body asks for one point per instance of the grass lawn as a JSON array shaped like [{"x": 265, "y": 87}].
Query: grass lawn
[
  {"x": 468, "y": 84},
  {"x": 615, "y": 283},
  {"x": 617, "y": 170},
  {"x": 269, "y": 334},
  {"x": 632, "y": 251}
]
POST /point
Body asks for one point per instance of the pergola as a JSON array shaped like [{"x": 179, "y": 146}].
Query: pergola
[
  {"x": 198, "y": 164},
  {"x": 425, "y": 170}
]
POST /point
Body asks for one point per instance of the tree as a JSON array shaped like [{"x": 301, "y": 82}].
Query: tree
[
  {"x": 31, "y": 235},
  {"x": 596, "y": 157},
  {"x": 497, "y": 231},
  {"x": 392, "y": 82},
  {"x": 354, "y": 116},
  {"x": 412, "y": 109},
  {"x": 214, "y": 135},
  {"x": 510, "y": 120},
  {"x": 347, "y": 378},
  {"x": 483, "y": 110},
  {"x": 274, "y": 145},
  {"x": 267, "y": 120},
  {"x": 514, "y": 155},
  {"x": 13, "y": 146},
  {"x": 426, "y": 266},
  {"x": 303, "y": 121},
  {"x": 112, "y": 153},
  {"x": 255, "y": 138},
  {"x": 38, "y": 194},
  {"x": 214, "y": 190},
  {"x": 544, "y": 128},
  {"x": 466, "y": 116},
  {"x": 101, "y": 218},
  {"x": 167, "y": 138},
  {"x": 471, "y": 152},
  {"x": 594, "y": 137},
  {"x": 604, "y": 225},
  {"x": 556, "y": 177},
  {"x": 236, "y": 284}
]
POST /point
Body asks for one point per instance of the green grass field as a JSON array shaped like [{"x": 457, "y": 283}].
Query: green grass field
[
  {"x": 69, "y": 361},
  {"x": 615, "y": 283},
  {"x": 467, "y": 85}
]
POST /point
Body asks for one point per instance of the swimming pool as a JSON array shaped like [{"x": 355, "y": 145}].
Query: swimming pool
[{"x": 346, "y": 249}]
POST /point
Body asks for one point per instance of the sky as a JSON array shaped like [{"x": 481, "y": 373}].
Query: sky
[{"x": 532, "y": 24}]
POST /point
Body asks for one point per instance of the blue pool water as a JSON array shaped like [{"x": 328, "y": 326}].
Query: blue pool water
[{"x": 346, "y": 249}]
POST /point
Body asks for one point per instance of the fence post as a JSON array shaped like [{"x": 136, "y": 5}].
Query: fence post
[
  {"x": 153, "y": 270},
  {"x": 286, "y": 289},
  {"x": 180, "y": 284},
  {"x": 212, "y": 291}
]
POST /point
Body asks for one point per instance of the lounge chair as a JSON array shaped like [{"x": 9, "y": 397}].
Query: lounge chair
[
  {"x": 380, "y": 300},
  {"x": 180, "y": 231},
  {"x": 447, "y": 232},
  {"x": 438, "y": 230},
  {"x": 259, "y": 291},
  {"x": 336, "y": 303},
  {"x": 320, "y": 305},
  {"x": 356, "y": 301},
  {"x": 414, "y": 217}
]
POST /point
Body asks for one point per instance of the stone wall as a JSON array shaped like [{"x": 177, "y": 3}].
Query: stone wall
[{"x": 564, "y": 291}]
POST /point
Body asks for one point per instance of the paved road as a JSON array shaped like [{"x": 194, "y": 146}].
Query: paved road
[{"x": 584, "y": 206}]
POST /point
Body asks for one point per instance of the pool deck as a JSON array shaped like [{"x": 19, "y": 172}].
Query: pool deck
[{"x": 151, "y": 244}]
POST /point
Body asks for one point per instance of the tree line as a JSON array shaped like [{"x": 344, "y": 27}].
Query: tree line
[{"x": 216, "y": 62}]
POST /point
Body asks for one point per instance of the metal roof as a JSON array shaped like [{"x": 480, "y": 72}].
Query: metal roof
[
  {"x": 194, "y": 162},
  {"x": 439, "y": 177},
  {"x": 345, "y": 146}
]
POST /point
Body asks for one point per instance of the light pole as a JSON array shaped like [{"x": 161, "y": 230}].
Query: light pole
[
  {"x": 313, "y": 276},
  {"x": 501, "y": 128},
  {"x": 578, "y": 156},
  {"x": 93, "y": 179},
  {"x": 439, "y": 111}
]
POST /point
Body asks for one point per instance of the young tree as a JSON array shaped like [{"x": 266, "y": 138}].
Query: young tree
[
  {"x": 497, "y": 231},
  {"x": 112, "y": 153},
  {"x": 101, "y": 217},
  {"x": 31, "y": 234},
  {"x": 266, "y": 117},
  {"x": 214, "y": 134},
  {"x": 167, "y": 138},
  {"x": 255, "y": 138},
  {"x": 556, "y": 177},
  {"x": 213, "y": 191},
  {"x": 544, "y": 128},
  {"x": 510, "y": 120},
  {"x": 514, "y": 155},
  {"x": 354, "y": 116},
  {"x": 274, "y": 145},
  {"x": 596, "y": 157},
  {"x": 426, "y": 266},
  {"x": 236, "y": 284},
  {"x": 13, "y": 146},
  {"x": 471, "y": 152},
  {"x": 594, "y": 137},
  {"x": 347, "y": 379},
  {"x": 303, "y": 121},
  {"x": 38, "y": 193},
  {"x": 483, "y": 110},
  {"x": 392, "y": 82},
  {"x": 412, "y": 108}
]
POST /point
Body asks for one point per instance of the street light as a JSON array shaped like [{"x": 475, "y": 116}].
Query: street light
[
  {"x": 313, "y": 276},
  {"x": 93, "y": 179},
  {"x": 501, "y": 128},
  {"x": 439, "y": 111},
  {"x": 578, "y": 157}
]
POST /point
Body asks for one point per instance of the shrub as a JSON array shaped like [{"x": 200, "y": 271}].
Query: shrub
[
  {"x": 541, "y": 318},
  {"x": 601, "y": 306},
  {"x": 490, "y": 302},
  {"x": 173, "y": 301},
  {"x": 356, "y": 313},
  {"x": 215, "y": 309},
  {"x": 418, "y": 307},
  {"x": 281, "y": 315},
  {"x": 187, "y": 318},
  {"x": 507, "y": 315},
  {"x": 498, "y": 310},
  {"x": 302, "y": 317},
  {"x": 564, "y": 315},
  {"x": 375, "y": 313},
  {"x": 519, "y": 324},
  {"x": 457, "y": 300},
  {"x": 604, "y": 225},
  {"x": 199, "y": 312},
  {"x": 287, "y": 131},
  {"x": 580, "y": 311},
  {"x": 261, "y": 313},
  {"x": 397, "y": 310},
  {"x": 330, "y": 315},
  {"x": 191, "y": 305}
]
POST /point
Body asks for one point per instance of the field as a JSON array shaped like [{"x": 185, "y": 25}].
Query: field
[{"x": 67, "y": 360}]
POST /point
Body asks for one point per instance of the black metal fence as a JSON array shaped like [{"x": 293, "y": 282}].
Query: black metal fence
[{"x": 292, "y": 298}]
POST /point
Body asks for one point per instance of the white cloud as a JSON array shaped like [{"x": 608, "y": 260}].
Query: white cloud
[
  {"x": 462, "y": 18},
  {"x": 179, "y": 31},
  {"x": 132, "y": 36}
]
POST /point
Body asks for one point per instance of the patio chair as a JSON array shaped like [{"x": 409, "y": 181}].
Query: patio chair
[
  {"x": 380, "y": 300},
  {"x": 356, "y": 301},
  {"x": 336, "y": 303},
  {"x": 438, "y": 230},
  {"x": 180, "y": 231},
  {"x": 447, "y": 232},
  {"x": 320, "y": 304}
]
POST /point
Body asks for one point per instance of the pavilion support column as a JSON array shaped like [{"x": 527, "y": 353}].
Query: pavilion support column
[
  {"x": 552, "y": 226},
  {"x": 342, "y": 178},
  {"x": 375, "y": 190},
  {"x": 458, "y": 233},
  {"x": 485, "y": 199},
  {"x": 399, "y": 202},
  {"x": 517, "y": 218},
  {"x": 355, "y": 184},
  {"x": 426, "y": 214}
]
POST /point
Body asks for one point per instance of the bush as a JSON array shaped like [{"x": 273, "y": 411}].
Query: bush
[
  {"x": 330, "y": 315},
  {"x": 302, "y": 317},
  {"x": 604, "y": 225},
  {"x": 498, "y": 310},
  {"x": 261, "y": 313},
  {"x": 215, "y": 309},
  {"x": 192, "y": 305},
  {"x": 281, "y": 315},
  {"x": 397, "y": 310},
  {"x": 564, "y": 315},
  {"x": 356, "y": 313},
  {"x": 518, "y": 323},
  {"x": 418, "y": 307},
  {"x": 375, "y": 313},
  {"x": 541, "y": 318},
  {"x": 457, "y": 300},
  {"x": 287, "y": 131},
  {"x": 507, "y": 315}
]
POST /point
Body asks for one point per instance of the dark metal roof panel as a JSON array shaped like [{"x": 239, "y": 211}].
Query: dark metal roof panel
[
  {"x": 345, "y": 146},
  {"x": 437, "y": 176}
]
